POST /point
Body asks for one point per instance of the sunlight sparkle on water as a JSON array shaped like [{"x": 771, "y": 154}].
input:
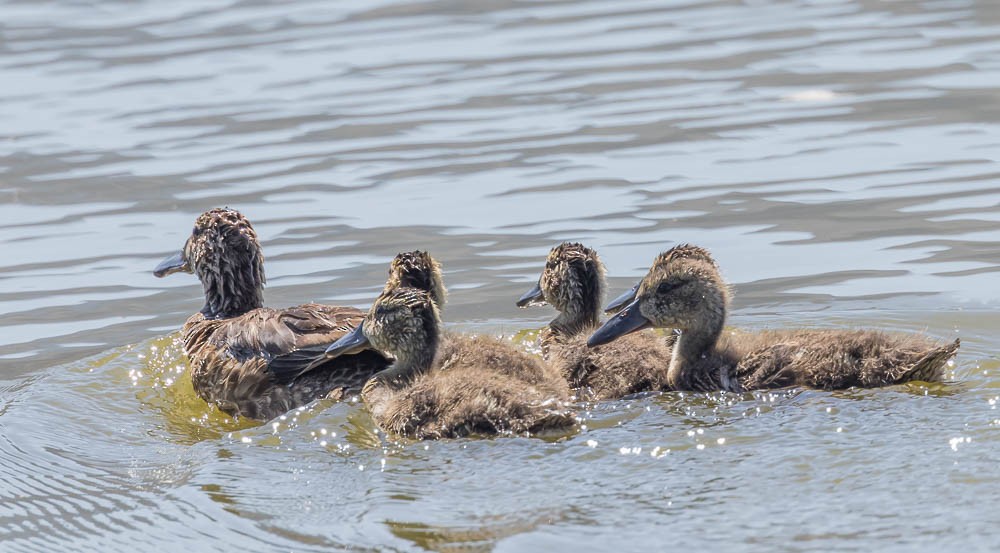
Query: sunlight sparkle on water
[{"x": 959, "y": 440}]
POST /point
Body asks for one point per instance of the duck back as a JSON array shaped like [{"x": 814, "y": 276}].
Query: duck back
[
  {"x": 635, "y": 363},
  {"x": 833, "y": 360},
  {"x": 477, "y": 385},
  {"x": 230, "y": 359}
]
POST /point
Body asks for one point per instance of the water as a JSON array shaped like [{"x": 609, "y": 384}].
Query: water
[{"x": 838, "y": 157}]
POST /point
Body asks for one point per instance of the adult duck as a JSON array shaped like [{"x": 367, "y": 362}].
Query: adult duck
[
  {"x": 232, "y": 341},
  {"x": 684, "y": 291}
]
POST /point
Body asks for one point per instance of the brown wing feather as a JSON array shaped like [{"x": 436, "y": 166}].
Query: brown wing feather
[
  {"x": 291, "y": 341},
  {"x": 264, "y": 362}
]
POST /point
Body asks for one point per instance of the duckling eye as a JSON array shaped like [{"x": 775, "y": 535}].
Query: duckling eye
[{"x": 666, "y": 287}]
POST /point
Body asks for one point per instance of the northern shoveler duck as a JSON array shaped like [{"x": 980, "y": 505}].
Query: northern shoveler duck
[
  {"x": 233, "y": 340},
  {"x": 683, "y": 290}
]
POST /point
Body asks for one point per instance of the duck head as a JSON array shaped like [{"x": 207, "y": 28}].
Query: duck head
[
  {"x": 403, "y": 323},
  {"x": 683, "y": 290},
  {"x": 417, "y": 269},
  {"x": 224, "y": 253},
  {"x": 681, "y": 251},
  {"x": 572, "y": 282}
]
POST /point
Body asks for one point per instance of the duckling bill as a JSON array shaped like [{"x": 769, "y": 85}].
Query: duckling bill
[
  {"x": 233, "y": 343},
  {"x": 621, "y": 301},
  {"x": 683, "y": 290},
  {"x": 173, "y": 264}
]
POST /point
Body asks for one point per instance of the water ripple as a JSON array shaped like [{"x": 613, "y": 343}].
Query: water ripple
[{"x": 835, "y": 156}]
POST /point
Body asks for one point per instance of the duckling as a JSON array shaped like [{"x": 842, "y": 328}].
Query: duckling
[
  {"x": 416, "y": 269},
  {"x": 445, "y": 385},
  {"x": 233, "y": 340},
  {"x": 683, "y": 290},
  {"x": 573, "y": 283}
]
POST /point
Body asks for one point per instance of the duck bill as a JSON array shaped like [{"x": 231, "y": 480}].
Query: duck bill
[
  {"x": 535, "y": 296},
  {"x": 622, "y": 300},
  {"x": 173, "y": 264},
  {"x": 626, "y": 321},
  {"x": 348, "y": 344}
]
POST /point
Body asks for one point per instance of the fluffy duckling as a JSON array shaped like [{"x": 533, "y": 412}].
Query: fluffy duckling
[
  {"x": 445, "y": 385},
  {"x": 683, "y": 290},
  {"x": 573, "y": 283},
  {"x": 416, "y": 269},
  {"x": 232, "y": 342}
]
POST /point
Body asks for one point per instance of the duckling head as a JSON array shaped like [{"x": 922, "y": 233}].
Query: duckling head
[
  {"x": 417, "y": 269},
  {"x": 682, "y": 251},
  {"x": 223, "y": 251},
  {"x": 572, "y": 282},
  {"x": 403, "y": 323},
  {"x": 683, "y": 290}
]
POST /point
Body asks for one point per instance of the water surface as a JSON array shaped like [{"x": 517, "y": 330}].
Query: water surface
[{"x": 839, "y": 159}]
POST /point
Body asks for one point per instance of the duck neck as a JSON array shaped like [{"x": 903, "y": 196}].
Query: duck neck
[
  {"x": 575, "y": 321},
  {"x": 231, "y": 293},
  {"x": 568, "y": 324},
  {"x": 690, "y": 347},
  {"x": 411, "y": 364}
]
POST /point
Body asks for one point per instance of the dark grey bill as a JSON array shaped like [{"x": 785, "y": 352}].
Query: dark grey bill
[
  {"x": 626, "y": 321},
  {"x": 532, "y": 297},
  {"x": 354, "y": 342},
  {"x": 622, "y": 300},
  {"x": 173, "y": 264}
]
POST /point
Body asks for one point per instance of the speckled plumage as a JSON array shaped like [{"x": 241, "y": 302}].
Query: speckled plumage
[
  {"x": 686, "y": 292},
  {"x": 445, "y": 385},
  {"x": 417, "y": 269},
  {"x": 573, "y": 283},
  {"x": 232, "y": 342}
]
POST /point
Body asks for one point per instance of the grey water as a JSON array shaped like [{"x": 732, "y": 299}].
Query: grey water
[{"x": 839, "y": 158}]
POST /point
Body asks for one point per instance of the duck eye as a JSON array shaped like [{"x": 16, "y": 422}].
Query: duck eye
[
  {"x": 666, "y": 287},
  {"x": 196, "y": 231}
]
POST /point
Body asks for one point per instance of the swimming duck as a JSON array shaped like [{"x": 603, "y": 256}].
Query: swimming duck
[
  {"x": 416, "y": 269},
  {"x": 445, "y": 385},
  {"x": 573, "y": 283},
  {"x": 683, "y": 290},
  {"x": 233, "y": 340}
]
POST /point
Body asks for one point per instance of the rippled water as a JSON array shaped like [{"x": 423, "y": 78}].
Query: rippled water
[{"x": 838, "y": 157}]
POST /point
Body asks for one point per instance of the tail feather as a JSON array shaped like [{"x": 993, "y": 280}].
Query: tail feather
[
  {"x": 930, "y": 367},
  {"x": 289, "y": 366}
]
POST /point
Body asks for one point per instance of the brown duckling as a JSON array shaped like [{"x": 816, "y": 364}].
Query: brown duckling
[
  {"x": 233, "y": 340},
  {"x": 445, "y": 385},
  {"x": 416, "y": 269},
  {"x": 686, "y": 292},
  {"x": 573, "y": 283}
]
